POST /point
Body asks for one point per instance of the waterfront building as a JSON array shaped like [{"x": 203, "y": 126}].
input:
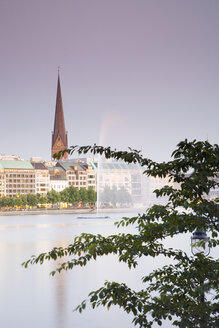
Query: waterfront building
[
  {"x": 42, "y": 177},
  {"x": 59, "y": 135},
  {"x": 79, "y": 174},
  {"x": 91, "y": 175},
  {"x": 51, "y": 163},
  {"x": 58, "y": 184},
  {"x": 17, "y": 177},
  {"x": 58, "y": 179}
]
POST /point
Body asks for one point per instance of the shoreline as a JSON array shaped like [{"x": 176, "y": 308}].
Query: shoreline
[{"x": 66, "y": 211}]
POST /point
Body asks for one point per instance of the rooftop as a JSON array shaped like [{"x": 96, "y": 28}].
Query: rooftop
[
  {"x": 39, "y": 166},
  {"x": 71, "y": 165},
  {"x": 15, "y": 164}
]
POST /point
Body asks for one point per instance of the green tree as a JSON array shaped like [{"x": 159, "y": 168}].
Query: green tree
[
  {"x": 18, "y": 200},
  {"x": 74, "y": 196},
  {"x": 64, "y": 195},
  {"x": 91, "y": 195},
  {"x": 6, "y": 202},
  {"x": 32, "y": 199},
  {"x": 83, "y": 195},
  {"x": 175, "y": 291},
  {"x": 53, "y": 197},
  {"x": 42, "y": 199},
  {"x": 23, "y": 199}
]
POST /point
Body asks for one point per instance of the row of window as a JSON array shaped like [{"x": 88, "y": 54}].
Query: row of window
[
  {"x": 26, "y": 186},
  {"x": 21, "y": 191},
  {"x": 59, "y": 188},
  {"x": 15, "y": 175},
  {"x": 20, "y": 180},
  {"x": 77, "y": 183},
  {"x": 74, "y": 177}
]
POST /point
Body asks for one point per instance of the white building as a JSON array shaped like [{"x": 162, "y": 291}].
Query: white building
[
  {"x": 58, "y": 184},
  {"x": 42, "y": 177}
]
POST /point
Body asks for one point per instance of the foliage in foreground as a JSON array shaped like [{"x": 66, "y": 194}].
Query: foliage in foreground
[{"x": 174, "y": 292}]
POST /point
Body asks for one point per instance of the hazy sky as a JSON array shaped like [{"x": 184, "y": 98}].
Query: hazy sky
[{"x": 140, "y": 73}]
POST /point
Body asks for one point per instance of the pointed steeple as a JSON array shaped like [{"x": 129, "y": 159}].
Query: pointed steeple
[{"x": 59, "y": 136}]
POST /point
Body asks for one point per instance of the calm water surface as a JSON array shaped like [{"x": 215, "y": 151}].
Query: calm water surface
[{"x": 32, "y": 298}]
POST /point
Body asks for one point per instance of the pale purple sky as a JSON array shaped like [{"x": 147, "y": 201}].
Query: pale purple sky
[{"x": 139, "y": 73}]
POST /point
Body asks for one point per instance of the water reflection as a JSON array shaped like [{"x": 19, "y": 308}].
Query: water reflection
[
  {"x": 60, "y": 293},
  {"x": 4, "y": 227},
  {"x": 32, "y": 298}
]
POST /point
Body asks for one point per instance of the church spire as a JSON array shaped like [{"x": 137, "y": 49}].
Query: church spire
[{"x": 59, "y": 135}]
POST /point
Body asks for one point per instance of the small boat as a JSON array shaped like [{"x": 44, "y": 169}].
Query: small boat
[{"x": 93, "y": 217}]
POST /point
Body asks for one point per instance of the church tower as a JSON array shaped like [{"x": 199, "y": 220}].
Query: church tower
[{"x": 59, "y": 135}]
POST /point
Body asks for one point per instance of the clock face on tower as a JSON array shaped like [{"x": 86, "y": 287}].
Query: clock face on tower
[
  {"x": 59, "y": 143},
  {"x": 58, "y": 146}
]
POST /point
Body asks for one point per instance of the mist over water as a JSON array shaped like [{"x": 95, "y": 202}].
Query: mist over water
[
  {"x": 119, "y": 185},
  {"x": 122, "y": 185}
]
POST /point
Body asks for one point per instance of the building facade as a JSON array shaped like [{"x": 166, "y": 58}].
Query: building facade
[
  {"x": 58, "y": 179},
  {"x": 79, "y": 174},
  {"x": 17, "y": 177},
  {"x": 42, "y": 177}
]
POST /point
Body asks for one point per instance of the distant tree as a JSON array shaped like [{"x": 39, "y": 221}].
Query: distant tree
[
  {"x": 43, "y": 199},
  {"x": 6, "y": 201},
  {"x": 24, "y": 200},
  {"x": 65, "y": 196},
  {"x": 18, "y": 201},
  {"x": 91, "y": 195},
  {"x": 74, "y": 196},
  {"x": 175, "y": 292},
  {"x": 32, "y": 199},
  {"x": 53, "y": 197},
  {"x": 83, "y": 195}
]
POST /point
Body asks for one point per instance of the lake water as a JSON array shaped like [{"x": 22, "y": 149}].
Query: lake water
[{"x": 32, "y": 298}]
